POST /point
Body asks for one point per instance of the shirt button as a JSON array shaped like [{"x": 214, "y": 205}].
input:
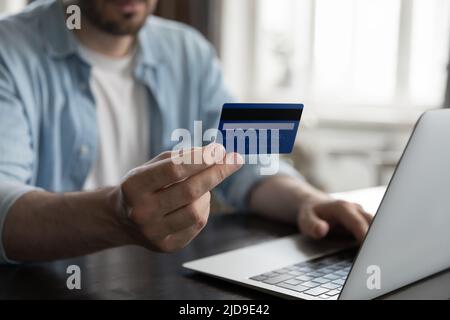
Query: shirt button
[{"x": 84, "y": 150}]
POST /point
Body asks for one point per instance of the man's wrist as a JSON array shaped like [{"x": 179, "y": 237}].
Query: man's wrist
[
  {"x": 301, "y": 192},
  {"x": 117, "y": 210},
  {"x": 313, "y": 198}
]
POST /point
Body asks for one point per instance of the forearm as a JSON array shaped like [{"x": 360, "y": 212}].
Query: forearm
[
  {"x": 45, "y": 226},
  {"x": 280, "y": 197}
]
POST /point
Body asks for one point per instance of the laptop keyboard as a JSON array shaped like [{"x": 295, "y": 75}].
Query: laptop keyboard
[{"x": 321, "y": 278}]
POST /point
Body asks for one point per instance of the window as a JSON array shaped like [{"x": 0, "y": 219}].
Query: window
[
  {"x": 350, "y": 53},
  {"x": 11, "y": 6}
]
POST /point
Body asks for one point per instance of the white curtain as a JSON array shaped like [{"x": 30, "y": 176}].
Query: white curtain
[{"x": 11, "y": 6}]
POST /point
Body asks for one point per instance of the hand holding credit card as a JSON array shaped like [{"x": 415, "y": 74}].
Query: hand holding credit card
[{"x": 259, "y": 128}]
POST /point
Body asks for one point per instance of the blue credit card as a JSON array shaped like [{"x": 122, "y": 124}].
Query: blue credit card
[{"x": 259, "y": 128}]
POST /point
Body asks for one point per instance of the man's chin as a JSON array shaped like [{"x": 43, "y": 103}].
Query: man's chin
[
  {"x": 121, "y": 28},
  {"x": 114, "y": 22}
]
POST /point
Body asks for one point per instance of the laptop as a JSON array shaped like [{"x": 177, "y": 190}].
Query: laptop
[{"x": 407, "y": 241}]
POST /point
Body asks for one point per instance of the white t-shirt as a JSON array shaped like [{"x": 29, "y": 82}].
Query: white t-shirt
[{"x": 122, "y": 118}]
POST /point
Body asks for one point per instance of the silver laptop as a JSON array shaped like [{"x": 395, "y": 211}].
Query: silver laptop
[{"x": 408, "y": 240}]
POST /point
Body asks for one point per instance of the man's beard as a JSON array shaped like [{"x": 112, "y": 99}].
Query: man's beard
[{"x": 119, "y": 27}]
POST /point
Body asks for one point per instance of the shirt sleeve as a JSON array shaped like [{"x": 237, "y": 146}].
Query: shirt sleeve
[
  {"x": 16, "y": 155},
  {"x": 214, "y": 94}
]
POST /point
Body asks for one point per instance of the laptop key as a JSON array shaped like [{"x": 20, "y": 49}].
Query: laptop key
[
  {"x": 339, "y": 281},
  {"x": 334, "y": 268},
  {"x": 315, "y": 274},
  {"x": 270, "y": 274},
  {"x": 343, "y": 264},
  {"x": 321, "y": 280},
  {"x": 311, "y": 284},
  {"x": 297, "y": 288},
  {"x": 293, "y": 282},
  {"x": 304, "y": 278},
  {"x": 259, "y": 278},
  {"x": 335, "y": 297},
  {"x": 316, "y": 291},
  {"x": 305, "y": 269},
  {"x": 279, "y": 278},
  {"x": 326, "y": 270},
  {"x": 295, "y": 273},
  {"x": 294, "y": 268},
  {"x": 330, "y": 286},
  {"x": 331, "y": 277},
  {"x": 333, "y": 292},
  {"x": 282, "y": 271},
  {"x": 319, "y": 265},
  {"x": 348, "y": 264},
  {"x": 341, "y": 273}
]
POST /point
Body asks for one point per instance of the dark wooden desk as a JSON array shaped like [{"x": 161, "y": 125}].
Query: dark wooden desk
[{"x": 135, "y": 273}]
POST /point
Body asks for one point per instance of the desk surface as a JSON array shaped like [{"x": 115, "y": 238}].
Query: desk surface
[{"x": 135, "y": 273}]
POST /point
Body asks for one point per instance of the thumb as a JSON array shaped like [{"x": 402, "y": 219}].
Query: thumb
[{"x": 313, "y": 226}]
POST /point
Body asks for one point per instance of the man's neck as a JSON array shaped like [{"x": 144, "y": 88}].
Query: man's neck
[{"x": 104, "y": 43}]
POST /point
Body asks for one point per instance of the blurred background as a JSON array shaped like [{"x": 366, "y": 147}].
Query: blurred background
[{"x": 365, "y": 70}]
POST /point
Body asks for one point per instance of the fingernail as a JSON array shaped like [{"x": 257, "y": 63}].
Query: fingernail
[
  {"x": 219, "y": 153},
  {"x": 239, "y": 159},
  {"x": 214, "y": 154}
]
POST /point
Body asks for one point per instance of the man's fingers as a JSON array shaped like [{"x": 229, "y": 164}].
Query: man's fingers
[
  {"x": 162, "y": 156},
  {"x": 180, "y": 239},
  {"x": 169, "y": 154},
  {"x": 154, "y": 176},
  {"x": 311, "y": 225},
  {"x": 317, "y": 220},
  {"x": 184, "y": 165},
  {"x": 186, "y": 192},
  {"x": 368, "y": 217},
  {"x": 346, "y": 214},
  {"x": 194, "y": 214}
]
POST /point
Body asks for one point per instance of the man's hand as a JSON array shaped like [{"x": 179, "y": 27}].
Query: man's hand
[
  {"x": 294, "y": 201},
  {"x": 169, "y": 201},
  {"x": 317, "y": 219},
  {"x": 161, "y": 205}
]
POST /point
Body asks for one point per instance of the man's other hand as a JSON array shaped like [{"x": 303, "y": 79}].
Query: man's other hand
[
  {"x": 317, "y": 219},
  {"x": 315, "y": 213}
]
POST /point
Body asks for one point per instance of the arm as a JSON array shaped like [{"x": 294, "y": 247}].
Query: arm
[
  {"x": 46, "y": 226},
  {"x": 161, "y": 205}
]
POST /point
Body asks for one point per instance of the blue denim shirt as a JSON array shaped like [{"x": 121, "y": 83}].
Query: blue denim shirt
[{"x": 48, "y": 129}]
